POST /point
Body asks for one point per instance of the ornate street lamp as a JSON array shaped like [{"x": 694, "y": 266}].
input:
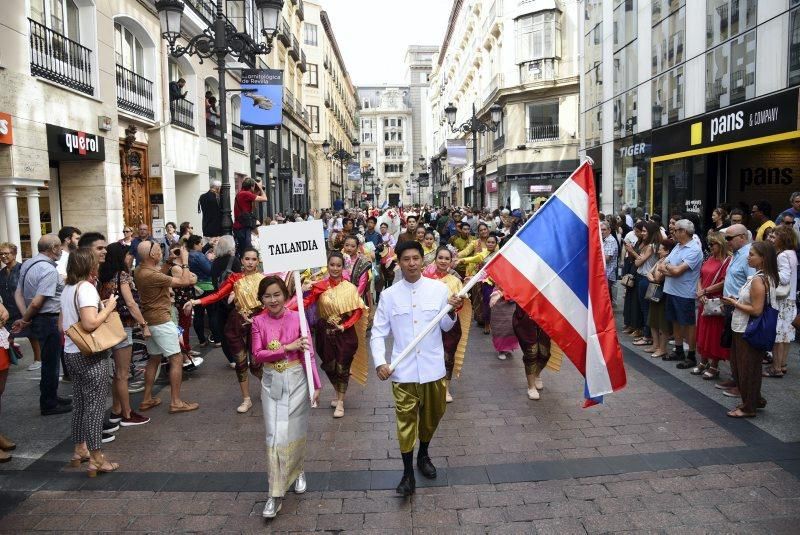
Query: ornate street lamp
[
  {"x": 342, "y": 156},
  {"x": 475, "y": 126},
  {"x": 218, "y": 41}
]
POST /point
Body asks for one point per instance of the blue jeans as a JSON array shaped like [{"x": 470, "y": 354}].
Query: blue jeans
[
  {"x": 242, "y": 237},
  {"x": 45, "y": 329},
  {"x": 642, "y": 283}
]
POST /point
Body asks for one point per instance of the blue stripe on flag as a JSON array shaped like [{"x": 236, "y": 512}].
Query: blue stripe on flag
[
  {"x": 590, "y": 400},
  {"x": 561, "y": 239}
]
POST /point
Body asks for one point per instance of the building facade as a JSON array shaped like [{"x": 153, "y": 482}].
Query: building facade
[
  {"x": 386, "y": 130},
  {"x": 419, "y": 63},
  {"x": 95, "y": 141},
  {"x": 691, "y": 104},
  {"x": 523, "y": 56},
  {"x": 331, "y": 107}
]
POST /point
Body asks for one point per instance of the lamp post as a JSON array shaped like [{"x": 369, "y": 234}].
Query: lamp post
[
  {"x": 475, "y": 126},
  {"x": 217, "y": 41},
  {"x": 342, "y": 156}
]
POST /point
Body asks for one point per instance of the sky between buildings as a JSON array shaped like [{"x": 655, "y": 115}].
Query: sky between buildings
[{"x": 373, "y": 35}]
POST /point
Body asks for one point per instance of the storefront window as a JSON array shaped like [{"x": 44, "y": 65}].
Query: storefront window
[
  {"x": 669, "y": 37},
  {"x": 631, "y": 164},
  {"x": 731, "y": 72},
  {"x": 624, "y": 23},
  {"x": 625, "y": 70},
  {"x": 677, "y": 181},
  {"x": 794, "y": 46},
  {"x": 668, "y": 90},
  {"x": 728, "y": 18},
  {"x": 663, "y": 8},
  {"x": 625, "y": 117}
]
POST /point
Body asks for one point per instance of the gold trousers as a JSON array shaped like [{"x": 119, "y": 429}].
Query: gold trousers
[{"x": 418, "y": 409}]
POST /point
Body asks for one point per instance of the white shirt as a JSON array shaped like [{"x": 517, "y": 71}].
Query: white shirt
[
  {"x": 87, "y": 297},
  {"x": 405, "y": 309},
  {"x": 61, "y": 265}
]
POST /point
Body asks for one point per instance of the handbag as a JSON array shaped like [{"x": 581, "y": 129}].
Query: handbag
[
  {"x": 713, "y": 305},
  {"x": 654, "y": 292},
  {"x": 106, "y": 336},
  {"x": 628, "y": 280},
  {"x": 246, "y": 219},
  {"x": 762, "y": 330}
]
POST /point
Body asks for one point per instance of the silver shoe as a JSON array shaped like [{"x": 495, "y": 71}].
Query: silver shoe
[
  {"x": 272, "y": 507},
  {"x": 300, "y": 484}
]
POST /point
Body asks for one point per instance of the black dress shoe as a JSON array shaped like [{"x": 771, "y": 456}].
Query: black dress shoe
[
  {"x": 426, "y": 467},
  {"x": 674, "y": 356},
  {"x": 407, "y": 485},
  {"x": 686, "y": 364},
  {"x": 58, "y": 409},
  {"x": 63, "y": 401}
]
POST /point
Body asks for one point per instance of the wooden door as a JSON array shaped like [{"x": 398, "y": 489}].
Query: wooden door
[{"x": 135, "y": 185}]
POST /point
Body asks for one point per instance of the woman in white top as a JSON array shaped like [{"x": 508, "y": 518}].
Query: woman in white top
[
  {"x": 751, "y": 301},
  {"x": 785, "y": 243},
  {"x": 90, "y": 374},
  {"x": 644, "y": 260}
]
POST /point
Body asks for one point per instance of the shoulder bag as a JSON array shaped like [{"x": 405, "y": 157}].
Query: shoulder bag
[
  {"x": 762, "y": 330},
  {"x": 104, "y": 337},
  {"x": 713, "y": 305},
  {"x": 246, "y": 219}
]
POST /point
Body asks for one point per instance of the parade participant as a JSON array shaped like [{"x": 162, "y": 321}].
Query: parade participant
[
  {"x": 388, "y": 257},
  {"x": 340, "y": 334},
  {"x": 536, "y": 351},
  {"x": 411, "y": 229},
  {"x": 461, "y": 241},
  {"x": 454, "y": 341},
  {"x": 370, "y": 234},
  {"x": 485, "y": 287},
  {"x": 419, "y": 234},
  {"x": 278, "y": 345},
  {"x": 428, "y": 248},
  {"x": 418, "y": 383},
  {"x": 154, "y": 289},
  {"x": 357, "y": 265},
  {"x": 472, "y": 257},
  {"x": 244, "y": 287},
  {"x": 502, "y": 327}
]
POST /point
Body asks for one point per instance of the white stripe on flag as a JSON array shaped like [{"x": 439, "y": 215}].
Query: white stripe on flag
[
  {"x": 597, "y": 378},
  {"x": 576, "y": 199},
  {"x": 552, "y": 287}
]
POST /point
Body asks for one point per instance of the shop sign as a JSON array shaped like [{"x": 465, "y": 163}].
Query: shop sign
[
  {"x": 541, "y": 188},
  {"x": 634, "y": 149},
  {"x": 66, "y": 145},
  {"x": 6, "y": 130},
  {"x": 766, "y": 116},
  {"x": 491, "y": 185},
  {"x": 695, "y": 206}
]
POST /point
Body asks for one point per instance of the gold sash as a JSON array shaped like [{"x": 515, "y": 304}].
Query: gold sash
[
  {"x": 454, "y": 286},
  {"x": 245, "y": 293}
]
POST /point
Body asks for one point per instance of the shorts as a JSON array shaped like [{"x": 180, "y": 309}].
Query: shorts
[
  {"x": 163, "y": 340},
  {"x": 127, "y": 342},
  {"x": 680, "y": 310}
]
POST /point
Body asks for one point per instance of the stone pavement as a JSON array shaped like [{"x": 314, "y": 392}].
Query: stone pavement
[{"x": 659, "y": 456}]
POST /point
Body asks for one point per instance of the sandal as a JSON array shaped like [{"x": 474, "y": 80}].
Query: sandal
[
  {"x": 700, "y": 368},
  {"x": 104, "y": 467},
  {"x": 770, "y": 372},
  {"x": 149, "y": 404},
  {"x": 658, "y": 355},
  {"x": 643, "y": 342},
  {"x": 784, "y": 370},
  {"x": 711, "y": 373},
  {"x": 76, "y": 460},
  {"x": 737, "y": 413}
]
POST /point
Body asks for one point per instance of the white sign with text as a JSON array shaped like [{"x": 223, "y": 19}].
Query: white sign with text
[{"x": 292, "y": 246}]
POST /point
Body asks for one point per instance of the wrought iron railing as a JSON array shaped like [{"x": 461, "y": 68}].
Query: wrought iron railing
[
  {"x": 212, "y": 127},
  {"x": 237, "y": 135},
  {"x": 544, "y": 132},
  {"x": 60, "y": 59},
  {"x": 134, "y": 93},
  {"x": 182, "y": 113}
]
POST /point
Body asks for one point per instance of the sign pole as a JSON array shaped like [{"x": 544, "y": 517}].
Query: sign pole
[{"x": 298, "y": 286}]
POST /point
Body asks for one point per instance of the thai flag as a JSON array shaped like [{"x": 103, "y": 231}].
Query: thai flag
[{"x": 555, "y": 270}]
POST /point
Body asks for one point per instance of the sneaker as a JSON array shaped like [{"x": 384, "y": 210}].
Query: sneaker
[
  {"x": 135, "y": 419},
  {"x": 115, "y": 418},
  {"x": 109, "y": 427},
  {"x": 35, "y": 365},
  {"x": 194, "y": 353},
  {"x": 501, "y": 355},
  {"x": 108, "y": 438}
]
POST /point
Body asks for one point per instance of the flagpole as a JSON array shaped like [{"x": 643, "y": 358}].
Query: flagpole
[
  {"x": 474, "y": 279},
  {"x": 298, "y": 286}
]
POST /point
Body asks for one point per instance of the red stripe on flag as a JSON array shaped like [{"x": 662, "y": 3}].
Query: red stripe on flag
[
  {"x": 598, "y": 288},
  {"x": 520, "y": 289}
]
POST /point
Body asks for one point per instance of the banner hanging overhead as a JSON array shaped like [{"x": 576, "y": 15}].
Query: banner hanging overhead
[
  {"x": 456, "y": 152},
  {"x": 353, "y": 171},
  {"x": 262, "y": 98},
  {"x": 294, "y": 246}
]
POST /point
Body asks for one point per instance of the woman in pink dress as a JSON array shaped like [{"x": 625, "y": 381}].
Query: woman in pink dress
[{"x": 709, "y": 328}]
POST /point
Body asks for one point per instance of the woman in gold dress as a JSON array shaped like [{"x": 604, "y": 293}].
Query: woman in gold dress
[
  {"x": 244, "y": 287},
  {"x": 340, "y": 333}
]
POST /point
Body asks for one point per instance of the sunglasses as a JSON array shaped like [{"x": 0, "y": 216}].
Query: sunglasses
[
  {"x": 730, "y": 238},
  {"x": 152, "y": 246},
  {"x": 789, "y": 223}
]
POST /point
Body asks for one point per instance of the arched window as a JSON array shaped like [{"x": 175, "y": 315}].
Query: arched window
[
  {"x": 128, "y": 49},
  {"x": 59, "y": 15}
]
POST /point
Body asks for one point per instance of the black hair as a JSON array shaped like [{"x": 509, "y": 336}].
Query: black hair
[
  {"x": 465, "y": 224},
  {"x": 184, "y": 228},
  {"x": 67, "y": 232},
  {"x": 171, "y": 223},
  {"x": 406, "y": 245},
  {"x": 765, "y": 208},
  {"x": 385, "y": 223},
  {"x": 115, "y": 261},
  {"x": 443, "y": 248},
  {"x": 249, "y": 250},
  {"x": 373, "y": 219},
  {"x": 415, "y": 218},
  {"x": 193, "y": 240},
  {"x": 266, "y": 282},
  {"x": 429, "y": 231},
  {"x": 336, "y": 254},
  {"x": 350, "y": 237},
  {"x": 89, "y": 238}
]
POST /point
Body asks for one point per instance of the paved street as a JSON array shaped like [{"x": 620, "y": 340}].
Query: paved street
[{"x": 660, "y": 456}]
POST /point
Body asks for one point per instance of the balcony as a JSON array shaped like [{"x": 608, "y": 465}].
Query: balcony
[
  {"x": 295, "y": 50},
  {"x": 301, "y": 12},
  {"x": 303, "y": 66},
  {"x": 60, "y": 59},
  {"x": 540, "y": 70},
  {"x": 237, "y": 137},
  {"x": 182, "y": 113},
  {"x": 212, "y": 127},
  {"x": 134, "y": 93},
  {"x": 544, "y": 132},
  {"x": 284, "y": 33},
  {"x": 493, "y": 86}
]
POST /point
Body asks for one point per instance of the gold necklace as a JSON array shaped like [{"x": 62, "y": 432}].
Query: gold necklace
[{"x": 275, "y": 343}]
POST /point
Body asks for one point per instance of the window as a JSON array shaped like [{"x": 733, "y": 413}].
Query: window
[
  {"x": 794, "y": 47},
  {"x": 668, "y": 91},
  {"x": 728, "y": 18},
  {"x": 663, "y": 8},
  {"x": 313, "y": 115},
  {"x": 593, "y": 119},
  {"x": 367, "y": 154},
  {"x": 538, "y": 36},
  {"x": 129, "y": 51},
  {"x": 312, "y": 75},
  {"x": 310, "y": 31},
  {"x": 625, "y": 23},
  {"x": 592, "y": 46},
  {"x": 365, "y": 105},
  {"x": 594, "y": 86},
  {"x": 625, "y": 68},
  {"x": 543, "y": 120},
  {"x": 393, "y": 168},
  {"x": 399, "y": 122},
  {"x": 58, "y": 15},
  {"x": 731, "y": 72},
  {"x": 625, "y": 118},
  {"x": 669, "y": 37}
]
